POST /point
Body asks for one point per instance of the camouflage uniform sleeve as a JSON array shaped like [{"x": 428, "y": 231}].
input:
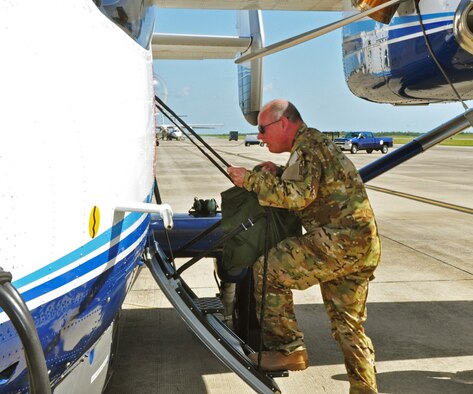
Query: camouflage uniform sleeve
[
  {"x": 295, "y": 189},
  {"x": 279, "y": 170}
]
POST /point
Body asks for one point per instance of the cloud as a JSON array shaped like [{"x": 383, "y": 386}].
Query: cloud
[
  {"x": 184, "y": 91},
  {"x": 268, "y": 87}
]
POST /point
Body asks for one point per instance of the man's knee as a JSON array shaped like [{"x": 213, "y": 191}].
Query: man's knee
[{"x": 347, "y": 333}]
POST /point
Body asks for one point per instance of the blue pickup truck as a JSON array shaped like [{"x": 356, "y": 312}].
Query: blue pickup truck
[{"x": 364, "y": 140}]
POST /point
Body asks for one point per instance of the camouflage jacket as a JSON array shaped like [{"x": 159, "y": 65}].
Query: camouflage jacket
[{"x": 325, "y": 190}]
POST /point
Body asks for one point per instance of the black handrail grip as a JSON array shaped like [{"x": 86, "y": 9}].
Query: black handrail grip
[{"x": 5, "y": 276}]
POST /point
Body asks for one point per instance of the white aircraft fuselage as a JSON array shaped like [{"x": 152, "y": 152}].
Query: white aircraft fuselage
[{"x": 77, "y": 140}]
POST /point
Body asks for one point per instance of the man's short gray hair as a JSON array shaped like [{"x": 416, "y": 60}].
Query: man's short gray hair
[{"x": 280, "y": 108}]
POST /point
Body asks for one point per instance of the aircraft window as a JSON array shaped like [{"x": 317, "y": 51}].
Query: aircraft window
[{"x": 136, "y": 18}]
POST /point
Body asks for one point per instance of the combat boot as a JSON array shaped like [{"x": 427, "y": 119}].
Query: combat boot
[{"x": 275, "y": 360}]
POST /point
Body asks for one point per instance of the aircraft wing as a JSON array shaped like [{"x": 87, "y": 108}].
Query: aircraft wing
[
  {"x": 206, "y": 126},
  {"x": 195, "y": 126},
  {"x": 197, "y": 47},
  {"x": 288, "y": 5},
  {"x": 249, "y": 41}
]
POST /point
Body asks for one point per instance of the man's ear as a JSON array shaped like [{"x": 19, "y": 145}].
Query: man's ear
[{"x": 285, "y": 122}]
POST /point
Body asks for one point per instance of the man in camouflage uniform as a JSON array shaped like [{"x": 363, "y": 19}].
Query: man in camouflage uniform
[{"x": 339, "y": 251}]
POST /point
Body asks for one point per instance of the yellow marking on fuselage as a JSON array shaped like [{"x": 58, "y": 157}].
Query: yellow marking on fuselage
[{"x": 94, "y": 221}]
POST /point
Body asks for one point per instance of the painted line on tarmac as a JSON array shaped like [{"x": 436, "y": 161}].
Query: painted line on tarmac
[
  {"x": 238, "y": 154},
  {"x": 425, "y": 200},
  {"x": 442, "y": 204}
]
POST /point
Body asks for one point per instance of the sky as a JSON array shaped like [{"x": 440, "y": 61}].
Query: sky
[{"x": 310, "y": 75}]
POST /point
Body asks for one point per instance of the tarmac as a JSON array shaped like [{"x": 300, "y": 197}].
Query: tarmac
[{"x": 420, "y": 306}]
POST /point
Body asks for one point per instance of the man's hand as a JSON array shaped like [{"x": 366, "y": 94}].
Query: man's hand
[
  {"x": 237, "y": 175},
  {"x": 269, "y": 166}
]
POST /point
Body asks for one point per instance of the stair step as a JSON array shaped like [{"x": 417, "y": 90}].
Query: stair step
[{"x": 209, "y": 305}]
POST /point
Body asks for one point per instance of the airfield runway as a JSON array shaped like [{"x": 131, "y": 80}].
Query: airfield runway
[{"x": 420, "y": 306}]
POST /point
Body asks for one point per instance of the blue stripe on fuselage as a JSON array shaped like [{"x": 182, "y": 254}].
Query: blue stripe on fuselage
[
  {"x": 89, "y": 247},
  {"x": 414, "y": 18},
  {"x": 406, "y": 31},
  {"x": 356, "y": 28},
  {"x": 93, "y": 304},
  {"x": 87, "y": 266}
]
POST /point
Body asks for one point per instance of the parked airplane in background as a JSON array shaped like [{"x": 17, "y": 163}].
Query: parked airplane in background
[
  {"x": 168, "y": 133},
  {"x": 171, "y": 132},
  {"x": 77, "y": 153}
]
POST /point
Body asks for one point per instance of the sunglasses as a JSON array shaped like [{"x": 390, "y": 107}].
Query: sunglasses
[{"x": 261, "y": 128}]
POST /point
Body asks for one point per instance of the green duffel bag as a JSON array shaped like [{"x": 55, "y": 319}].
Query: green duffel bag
[{"x": 242, "y": 250}]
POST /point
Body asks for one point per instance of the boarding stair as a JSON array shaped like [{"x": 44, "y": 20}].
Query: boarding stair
[
  {"x": 203, "y": 315},
  {"x": 205, "y": 318}
]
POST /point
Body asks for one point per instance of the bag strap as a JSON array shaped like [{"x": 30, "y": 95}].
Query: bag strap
[{"x": 250, "y": 222}]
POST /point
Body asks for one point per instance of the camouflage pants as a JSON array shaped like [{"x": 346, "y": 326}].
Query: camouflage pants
[{"x": 298, "y": 263}]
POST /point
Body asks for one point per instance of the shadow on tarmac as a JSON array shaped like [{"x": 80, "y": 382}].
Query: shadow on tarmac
[
  {"x": 421, "y": 382},
  {"x": 156, "y": 339},
  {"x": 158, "y": 353},
  {"x": 399, "y": 331}
]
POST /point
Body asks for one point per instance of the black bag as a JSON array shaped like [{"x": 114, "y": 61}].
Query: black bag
[{"x": 241, "y": 251}]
